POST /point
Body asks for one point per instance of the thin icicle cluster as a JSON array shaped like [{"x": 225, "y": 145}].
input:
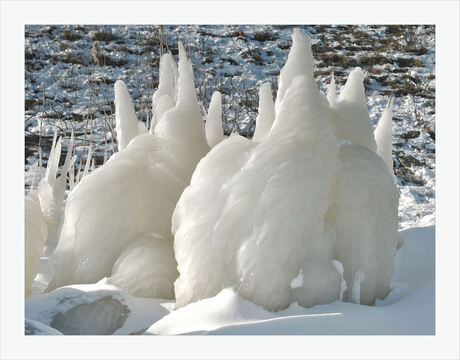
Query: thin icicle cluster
[
  {"x": 309, "y": 196},
  {"x": 43, "y": 209},
  {"x": 109, "y": 215}
]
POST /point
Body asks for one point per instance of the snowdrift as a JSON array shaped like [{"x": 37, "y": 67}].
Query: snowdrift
[
  {"x": 408, "y": 310},
  {"x": 92, "y": 309}
]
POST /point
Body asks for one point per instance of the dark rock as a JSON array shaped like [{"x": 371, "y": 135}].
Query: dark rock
[
  {"x": 411, "y": 134},
  {"x": 408, "y": 160},
  {"x": 407, "y": 175}
]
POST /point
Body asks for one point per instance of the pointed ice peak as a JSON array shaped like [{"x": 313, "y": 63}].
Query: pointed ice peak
[
  {"x": 266, "y": 115},
  {"x": 303, "y": 107},
  {"x": 184, "y": 124},
  {"x": 182, "y": 52},
  {"x": 296, "y": 35},
  {"x": 166, "y": 74},
  {"x": 349, "y": 118},
  {"x": 126, "y": 119},
  {"x": 186, "y": 95},
  {"x": 51, "y": 166},
  {"x": 175, "y": 76},
  {"x": 214, "y": 132},
  {"x": 332, "y": 91},
  {"x": 299, "y": 62},
  {"x": 383, "y": 135},
  {"x": 53, "y": 161},
  {"x": 353, "y": 90},
  {"x": 165, "y": 97}
]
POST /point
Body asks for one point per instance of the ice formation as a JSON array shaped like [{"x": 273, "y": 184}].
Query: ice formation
[
  {"x": 133, "y": 270},
  {"x": 135, "y": 192},
  {"x": 310, "y": 194},
  {"x": 383, "y": 134},
  {"x": 35, "y": 234},
  {"x": 126, "y": 120},
  {"x": 364, "y": 216},
  {"x": 349, "y": 118},
  {"x": 332, "y": 91},
  {"x": 321, "y": 276},
  {"x": 42, "y": 210},
  {"x": 166, "y": 95},
  {"x": 266, "y": 114},
  {"x": 214, "y": 132}
]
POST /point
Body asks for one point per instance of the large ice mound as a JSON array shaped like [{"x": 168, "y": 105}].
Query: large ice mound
[
  {"x": 136, "y": 191},
  {"x": 313, "y": 190}
]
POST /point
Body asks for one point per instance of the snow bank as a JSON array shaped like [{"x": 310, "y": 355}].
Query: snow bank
[
  {"x": 95, "y": 309},
  {"x": 408, "y": 312},
  {"x": 103, "y": 308},
  {"x": 37, "y": 328}
]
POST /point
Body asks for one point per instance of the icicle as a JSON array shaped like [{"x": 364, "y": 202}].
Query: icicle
[
  {"x": 175, "y": 71},
  {"x": 214, "y": 132},
  {"x": 343, "y": 284},
  {"x": 126, "y": 120},
  {"x": 356, "y": 288},
  {"x": 34, "y": 179},
  {"x": 88, "y": 162},
  {"x": 53, "y": 161},
  {"x": 72, "y": 177},
  {"x": 332, "y": 91},
  {"x": 266, "y": 114},
  {"x": 383, "y": 135},
  {"x": 105, "y": 154},
  {"x": 93, "y": 165},
  {"x": 299, "y": 62},
  {"x": 59, "y": 186},
  {"x": 70, "y": 158},
  {"x": 79, "y": 176}
]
